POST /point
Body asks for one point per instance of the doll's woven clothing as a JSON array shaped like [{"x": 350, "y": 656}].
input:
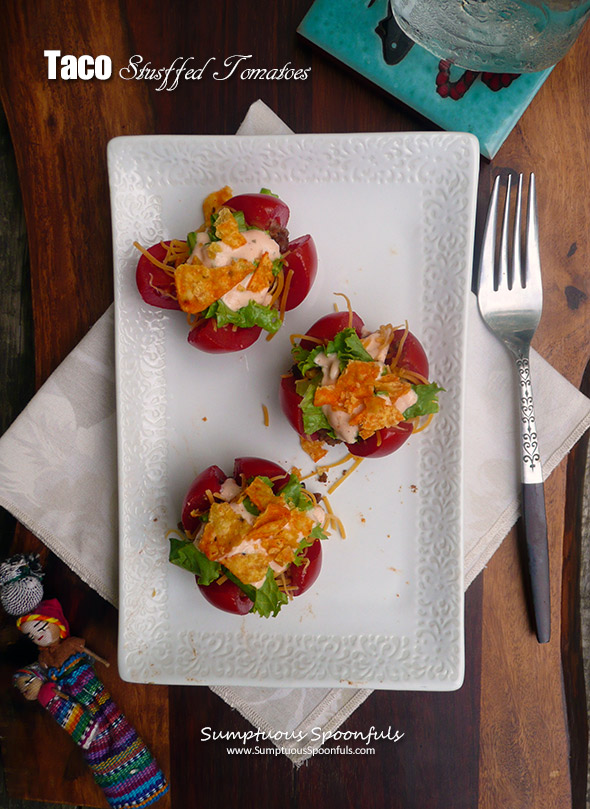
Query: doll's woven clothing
[{"x": 120, "y": 761}]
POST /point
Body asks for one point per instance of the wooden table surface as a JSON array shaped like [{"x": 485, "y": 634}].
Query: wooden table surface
[{"x": 515, "y": 734}]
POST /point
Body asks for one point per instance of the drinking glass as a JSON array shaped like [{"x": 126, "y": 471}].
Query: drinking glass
[{"x": 502, "y": 36}]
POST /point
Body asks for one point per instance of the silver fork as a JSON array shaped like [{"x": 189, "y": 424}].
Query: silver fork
[{"x": 510, "y": 301}]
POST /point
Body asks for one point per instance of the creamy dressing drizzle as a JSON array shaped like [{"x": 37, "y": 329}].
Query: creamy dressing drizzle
[{"x": 257, "y": 243}]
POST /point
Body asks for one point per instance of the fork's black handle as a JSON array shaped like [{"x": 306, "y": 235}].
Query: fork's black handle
[{"x": 535, "y": 527}]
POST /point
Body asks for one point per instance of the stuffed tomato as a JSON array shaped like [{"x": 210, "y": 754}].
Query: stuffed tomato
[
  {"x": 252, "y": 540},
  {"x": 350, "y": 385},
  {"x": 235, "y": 276}
]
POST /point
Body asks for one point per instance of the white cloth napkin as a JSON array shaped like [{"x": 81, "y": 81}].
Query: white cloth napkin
[{"x": 58, "y": 477}]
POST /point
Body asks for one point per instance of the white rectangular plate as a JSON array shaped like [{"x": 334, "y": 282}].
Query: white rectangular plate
[{"x": 392, "y": 216}]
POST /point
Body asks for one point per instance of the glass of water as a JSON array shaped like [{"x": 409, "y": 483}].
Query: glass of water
[{"x": 502, "y": 36}]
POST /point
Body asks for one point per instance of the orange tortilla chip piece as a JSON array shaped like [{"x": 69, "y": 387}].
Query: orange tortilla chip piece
[
  {"x": 378, "y": 413},
  {"x": 198, "y": 286},
  {"x": 300, "y": 523},
  {"x": 271, "y": 522},
  {"x": 315, "y": 449},
  {"x": 249, "y": 568},
  {"x": 393, "y": 385},
  {"x": 263, "y": 275},
  {"x": 224, "y": 530},
  {"x": 226, "y": 229},
  {"x": 352, "y": 388},
  {"x": 260, "y": 493},
  {"x": 215, "y": 201}
]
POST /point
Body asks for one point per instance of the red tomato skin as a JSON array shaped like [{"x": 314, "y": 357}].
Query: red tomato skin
[
  {"x": 150, "y": 279},
  {"x": 413, "y": 356},
  {"x": 227, "y": 597},
  {"x": 391, "y": 439},
  {"x": 303, "y": 577},
  {"x": 328, "y": 326},
  {"x": 211, "y": 478},
  {"x": 260, "y": 210},
  {"x": 302, "y": 258},
  {"x": 289, "y": 400},
  {"x": 214, "y": 339},
  {"x": 251, "y": 467}
]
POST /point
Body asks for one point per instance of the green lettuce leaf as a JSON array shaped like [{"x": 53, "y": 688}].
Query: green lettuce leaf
[
  {"x": 304, "y": 359},
  {"x": 427, "y": 401},
  {"x": 269, "y": 192},
  {"x": 317, "y": 533},
  {"x": 277, "y": 265},
  {"x": 191, "y": 240},
  {"x": 347, "y": 345},
  {"x": 250, "y": 507},
  {"x": 313, "y": 417},
  {"x": 213, "y": 237},
  {"x": 187, "y": 556},
  {"x": 293, "y": 493},
  {"x": 299, "y": 558},
  {"x": 239, "y": 217},
  {"x": 253, "y": 314},
  {"x": 268, "y": 599}
]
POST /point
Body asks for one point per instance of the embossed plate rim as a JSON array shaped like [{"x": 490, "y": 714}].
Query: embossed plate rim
[{"x": 442, "y": 169}]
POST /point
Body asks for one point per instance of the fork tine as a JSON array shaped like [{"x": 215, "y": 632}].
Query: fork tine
[
  {"x": 504, "y": 280},
  {"x": 488, "y": 245},
  {"x": 516, "y": 250},
  {"x": 532, "y": 258}
]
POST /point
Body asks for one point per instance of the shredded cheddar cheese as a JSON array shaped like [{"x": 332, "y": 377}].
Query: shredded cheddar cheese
[
  {"x": 153, "y": 260},
  {"x": 348, "y": 305},
  {"x": 346, "y": 475}
]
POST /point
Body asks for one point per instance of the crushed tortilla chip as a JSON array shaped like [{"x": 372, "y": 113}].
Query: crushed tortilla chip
[
  {"x": 224, "y": 530},
  {"x": 378, "y": 413},
  {"x": 270, "y": 523},
  {"x": 198, "y": 286},
  {"x": 260, "y": 493},
  {"x": 354, "y": 386},
  {"x": 249, "y": 568},
  {"x": 393, "y": 385},
  {"x": 263, "y": 276},
  {"x": 214, "y": 202},
  {"x": 355, "y": 392},
  {"x": 212, "y": 250},
  {"x": 315, "y": 449},
  {"x": 226, "y": 229}
]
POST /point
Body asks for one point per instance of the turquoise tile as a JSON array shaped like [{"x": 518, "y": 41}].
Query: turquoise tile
[{"x": 348, "y": 33}]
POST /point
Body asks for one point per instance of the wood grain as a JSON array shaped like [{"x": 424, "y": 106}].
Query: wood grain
[
  {"x": 525, "y": 737},
  {"x": 66, "y": 206},
  {"x": 441, "y": 738},
  {"x": 66, "y": 199},
  {"x": 573, "y": 616}
]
